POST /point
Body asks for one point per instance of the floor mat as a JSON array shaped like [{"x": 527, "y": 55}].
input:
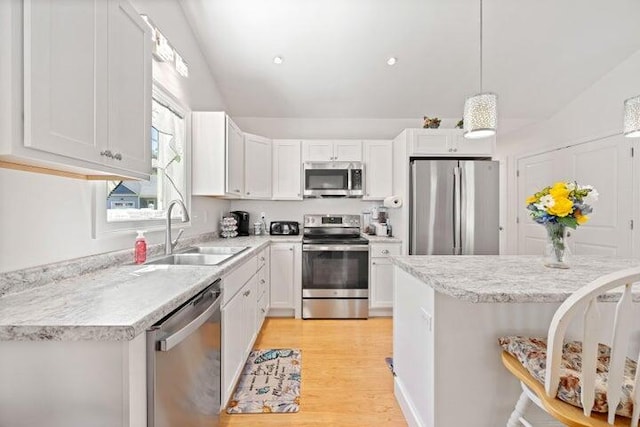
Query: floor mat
[{"x": 270, "y": 382}]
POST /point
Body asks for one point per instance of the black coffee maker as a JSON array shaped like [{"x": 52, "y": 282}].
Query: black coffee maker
[{"x": 242, "y": 217}]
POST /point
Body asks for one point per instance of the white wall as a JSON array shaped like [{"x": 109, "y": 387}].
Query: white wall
[
  {"x": 45, "y": 219},
  {"x": 595, "y": 114}
]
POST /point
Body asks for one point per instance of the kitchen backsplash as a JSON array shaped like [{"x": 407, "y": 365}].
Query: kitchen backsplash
[{"x": 294, "y": 210}]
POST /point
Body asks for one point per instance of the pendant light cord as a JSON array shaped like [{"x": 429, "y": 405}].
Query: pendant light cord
[{"x": 481, "y": 46}]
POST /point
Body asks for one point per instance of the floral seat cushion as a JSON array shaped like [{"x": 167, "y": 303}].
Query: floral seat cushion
[{"x": 532, "y": 353}]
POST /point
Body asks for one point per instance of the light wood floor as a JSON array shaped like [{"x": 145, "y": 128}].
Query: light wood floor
[{"x": 345, "y": 381}]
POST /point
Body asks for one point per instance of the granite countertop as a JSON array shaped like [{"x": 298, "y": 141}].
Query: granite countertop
[
  {"x": 508, "y": 278},
  {"x": 113, "y": 304}
]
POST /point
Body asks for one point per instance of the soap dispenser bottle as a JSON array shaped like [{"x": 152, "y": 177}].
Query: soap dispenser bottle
[{"x": 140, "y": 250}]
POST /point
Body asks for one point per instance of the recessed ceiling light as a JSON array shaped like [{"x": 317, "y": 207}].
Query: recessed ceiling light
[
  {"x": 278, "y": 60},
  {"x": 392, "y": 60}
]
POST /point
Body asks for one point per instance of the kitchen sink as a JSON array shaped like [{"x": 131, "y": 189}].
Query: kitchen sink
[{"x": 201, "y": 255}]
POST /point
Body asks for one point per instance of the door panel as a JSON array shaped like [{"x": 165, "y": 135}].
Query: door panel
[
  {"x": 605, "y": 164},
  {"x": 536, "y": 172},
  {"x": 479, "y": 206},
  {"x": 432, "y": 207}
]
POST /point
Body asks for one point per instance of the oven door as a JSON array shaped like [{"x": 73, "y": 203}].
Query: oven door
[{"x": 335, "y": 271}]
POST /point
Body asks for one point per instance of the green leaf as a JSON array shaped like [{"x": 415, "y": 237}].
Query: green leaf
[{"x": 568, "y": 221}]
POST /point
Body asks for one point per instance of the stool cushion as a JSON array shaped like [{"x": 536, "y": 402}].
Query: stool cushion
[{"x": 532, "y": 353}]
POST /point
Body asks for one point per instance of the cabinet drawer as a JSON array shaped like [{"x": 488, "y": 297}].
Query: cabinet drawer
[
  {"x": 263, "y": 257},
  {"x": 384, "y": 250},
  {"x": 262, "y": 280},
  {"x": 235, "y": 280}
]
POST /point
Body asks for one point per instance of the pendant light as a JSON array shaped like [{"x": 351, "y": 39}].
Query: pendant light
[
  {"x": 480, "y": 111},
  {"x": 632, "y": 117}
]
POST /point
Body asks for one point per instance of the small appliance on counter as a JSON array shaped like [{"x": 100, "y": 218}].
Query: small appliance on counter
[
  {"x": 283, "y": 228},
  {"x": 242, "y": 217}
]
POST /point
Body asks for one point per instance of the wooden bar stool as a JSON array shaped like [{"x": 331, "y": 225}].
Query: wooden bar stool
[{"x": 596, "y": 379}]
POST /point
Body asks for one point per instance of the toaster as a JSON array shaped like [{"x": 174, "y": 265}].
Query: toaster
[{"x": 280, "y": 228}]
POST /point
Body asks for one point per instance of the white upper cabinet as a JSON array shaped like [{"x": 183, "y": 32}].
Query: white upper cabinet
[
  {"x": 448, "y": 142},
  {"x": 332, "y": 150},
  {"x": 129, "y": 89},
  {"x": 378, "y": 169},
  {"x": 87, "y": 88},
  {"x": 257, "y": 161},
  {"x": 218, "y": 155},
  {"x": 235, "y": 159},
  {"x": 287, "y": 170}
]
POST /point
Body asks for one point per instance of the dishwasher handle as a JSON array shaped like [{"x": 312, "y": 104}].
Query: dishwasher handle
[{"x": 177, "y": 337}]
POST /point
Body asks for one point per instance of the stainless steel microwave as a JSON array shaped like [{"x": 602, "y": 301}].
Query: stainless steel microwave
[{"x": 333, "y": 179}]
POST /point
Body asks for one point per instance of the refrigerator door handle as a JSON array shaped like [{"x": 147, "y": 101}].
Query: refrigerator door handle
[{"x": 457, "y": 250}]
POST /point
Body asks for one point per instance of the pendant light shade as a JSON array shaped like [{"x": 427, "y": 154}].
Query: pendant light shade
[
  {"x": 632, "y": 117},
  {"x": 480, "y": 115}
]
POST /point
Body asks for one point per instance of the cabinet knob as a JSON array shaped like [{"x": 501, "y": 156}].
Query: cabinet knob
[
  {"x": 291, "y": 249},
  {"x": 117, "y": 156},
  {"x": 385, "y": 251},
  {"x": 450, "y": 150},
  {"x": 298, "y": 194},
  {"x": 261, "y": 258},
  {"x": 248, "y": 193},
  {"x": 107, "y": 153},
  {"x": 262, "y": 309},
  {"x": 246, "y": 294},
  {"x": 237, "y": 191},
  {"x": 373, "y": 263},
  {"x": 455, "y": 150},
  {"x": 262, "y": 281}
]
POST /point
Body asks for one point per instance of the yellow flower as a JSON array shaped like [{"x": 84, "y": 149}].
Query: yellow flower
[
  {"x": 581, "y": 219},
  {"x": 531, "y": 199},
  {"x": 562, "y": 207},
  {"x": 559, "y": 190}
]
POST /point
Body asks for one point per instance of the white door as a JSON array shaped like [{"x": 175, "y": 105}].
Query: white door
[
  {"x": 429, "y": 142},
  {"x": 318, "y": 150},
  {"x": 381, "y": 283},
  {"x": 378, "y": 169},
  {"x": 250, "y": 295},
  {"x": 535, "y": 173},
  {"x": 235, "y": 159},
  {"x": 129, "y": 89},
  {"x": 257, "y": 161},
  {"x": 65, "y": 77},
  {"x": 282, "y": 275},
  {"x": 606, "y": 164},
  {"x": 347, "y": 151},
  {"x": 287, "y": 170}
]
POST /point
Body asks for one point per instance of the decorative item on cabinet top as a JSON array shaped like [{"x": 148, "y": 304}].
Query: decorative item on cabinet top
[{"x": 431, "y": 123}]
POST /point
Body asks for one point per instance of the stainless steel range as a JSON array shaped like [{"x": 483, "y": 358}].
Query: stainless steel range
[{"x": 335, "y": 268}]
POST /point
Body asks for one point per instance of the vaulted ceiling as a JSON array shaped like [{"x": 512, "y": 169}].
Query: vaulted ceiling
[{"x": 538, "y": 54}]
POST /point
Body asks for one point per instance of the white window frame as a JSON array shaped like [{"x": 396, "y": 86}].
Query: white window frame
[{"x": 100, "y": 227}]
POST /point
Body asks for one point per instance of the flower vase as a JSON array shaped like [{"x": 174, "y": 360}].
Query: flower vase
[{"x": 556, "y": 249}]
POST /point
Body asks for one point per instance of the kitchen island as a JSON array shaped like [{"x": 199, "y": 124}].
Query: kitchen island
[{"x": 449, "y": 312}]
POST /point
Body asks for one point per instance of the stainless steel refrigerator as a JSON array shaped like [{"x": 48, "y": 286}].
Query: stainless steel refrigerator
[{"x": 454, "y": 207}]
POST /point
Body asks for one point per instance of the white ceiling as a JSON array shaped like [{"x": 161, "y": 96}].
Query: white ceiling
[{"x": 538, "y": 54}]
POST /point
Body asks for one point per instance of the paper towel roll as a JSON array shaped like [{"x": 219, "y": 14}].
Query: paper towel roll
[{"x": 392, "y": 202}]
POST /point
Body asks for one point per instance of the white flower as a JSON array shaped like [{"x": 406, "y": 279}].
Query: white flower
[
  {"x": 592, "y": 196},
  {"x": 571, "y": 186},
  {"x": 545, "y": 202},
  {"x": 585, "y": 187}
]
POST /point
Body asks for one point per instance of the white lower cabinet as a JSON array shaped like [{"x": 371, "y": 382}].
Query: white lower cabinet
[
  {"x": 381, "y": 278},
  {"x": 286, "y": 277},
  {"x": 239, "y": 324}
]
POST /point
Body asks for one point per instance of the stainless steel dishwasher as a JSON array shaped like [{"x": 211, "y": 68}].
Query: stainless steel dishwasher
[{"x": 183, "y": 364}]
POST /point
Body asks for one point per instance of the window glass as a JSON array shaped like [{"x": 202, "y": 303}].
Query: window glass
[{"x": 147, "y": 200}]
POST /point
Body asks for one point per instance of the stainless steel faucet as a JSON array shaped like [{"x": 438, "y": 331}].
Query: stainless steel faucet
[{"x": 168, "y": 244}]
